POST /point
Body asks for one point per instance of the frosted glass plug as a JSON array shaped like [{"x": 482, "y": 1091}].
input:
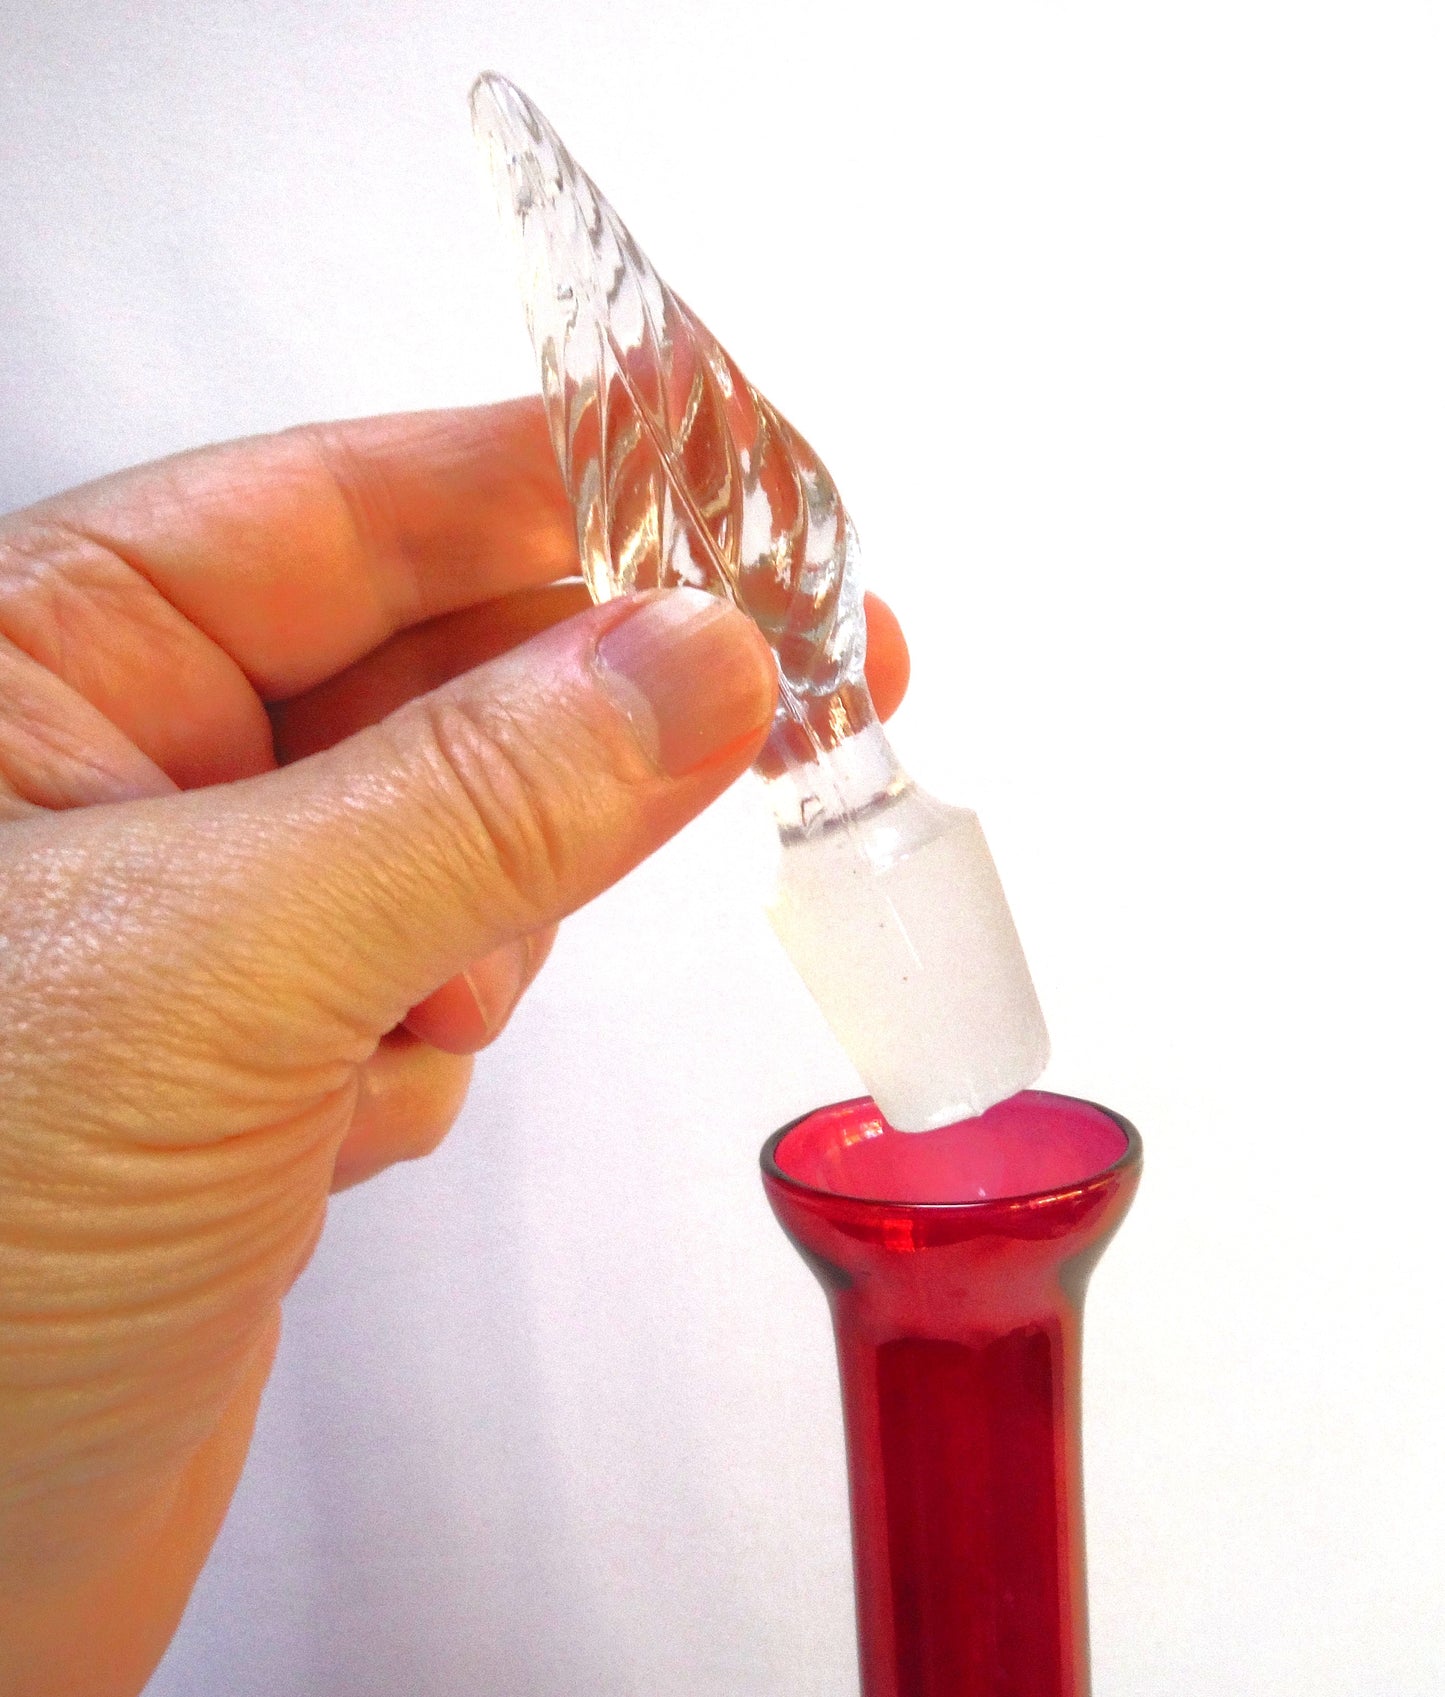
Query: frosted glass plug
[{"x": 680, "y": 472}]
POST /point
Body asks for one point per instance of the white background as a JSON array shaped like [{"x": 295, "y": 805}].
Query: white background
[{"x": 1121, "y": 328}]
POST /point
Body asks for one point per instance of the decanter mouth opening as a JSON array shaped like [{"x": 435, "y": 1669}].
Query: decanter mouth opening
[{"x": 1030, "y": 1147}]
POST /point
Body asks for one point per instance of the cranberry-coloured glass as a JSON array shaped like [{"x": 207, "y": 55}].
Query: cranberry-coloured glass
[{"x": 954, "y": 1262}]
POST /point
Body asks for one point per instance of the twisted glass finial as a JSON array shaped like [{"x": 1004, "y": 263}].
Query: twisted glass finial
[{"x": 681, "y": 473}]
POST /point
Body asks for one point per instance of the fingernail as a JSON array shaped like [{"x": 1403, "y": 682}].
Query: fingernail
[
  {"x": 497, "y": 982},
  {"x": 690, "y": 675}
]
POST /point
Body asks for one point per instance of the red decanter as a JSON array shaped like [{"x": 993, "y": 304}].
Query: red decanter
[{"x": 954, "y": 1263}]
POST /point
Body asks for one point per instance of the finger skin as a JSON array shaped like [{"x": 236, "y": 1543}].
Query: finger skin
[
  {"x": 195, "y": 1002},
  {"x": 431, "y": 654},
  {"x": 102, "y": 1627},
  {"x": 428, "y": 655},
  {"x": 205, "y": 979},
  {"x": 179, "y": 598},
  {"x": 299, "y": 552},
  {"x": 520, "y": 783},
  {"x": 416, "y": 660},
  {"x": 468, "y": 1011},
  {"x": 410, "y": 1093},
  {"x": 887, "y": 665}
]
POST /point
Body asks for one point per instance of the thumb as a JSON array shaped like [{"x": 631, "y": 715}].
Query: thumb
[
  {"x": 189, "y": 987},
  {"x": 495, "y": 805}
]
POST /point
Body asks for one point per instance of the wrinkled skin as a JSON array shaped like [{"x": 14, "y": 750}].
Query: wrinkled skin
[{"x": 303, "y": 754}]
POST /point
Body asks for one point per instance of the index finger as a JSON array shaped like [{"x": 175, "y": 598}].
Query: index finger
[{"x": 295, "y": 554}]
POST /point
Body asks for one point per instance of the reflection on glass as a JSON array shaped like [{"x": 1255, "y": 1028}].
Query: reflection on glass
[{"x": 680, "y": 472}]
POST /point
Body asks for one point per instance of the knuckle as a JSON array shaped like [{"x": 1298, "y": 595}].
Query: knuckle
[
  {"x": 519, "y": 804},
  {"x": 364, "y": 496}
]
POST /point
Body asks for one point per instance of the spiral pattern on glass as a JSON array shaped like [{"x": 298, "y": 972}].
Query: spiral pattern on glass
[{"x": 679, "y": 471}]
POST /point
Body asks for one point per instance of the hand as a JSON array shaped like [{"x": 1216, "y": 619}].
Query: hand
[{"x": 233, "y": 978}]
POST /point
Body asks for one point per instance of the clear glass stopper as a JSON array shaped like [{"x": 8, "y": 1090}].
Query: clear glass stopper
[{"x": 681, "y": 473}]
